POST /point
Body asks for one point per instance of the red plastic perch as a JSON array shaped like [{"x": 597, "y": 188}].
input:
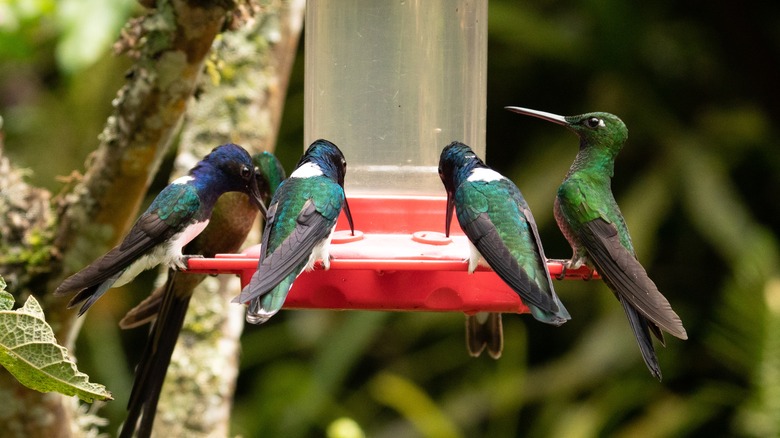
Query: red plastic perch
[{"x": 398, "y": 260}]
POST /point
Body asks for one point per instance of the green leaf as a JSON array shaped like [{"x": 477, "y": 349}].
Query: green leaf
[
  {"x": 6, "y": 299},
  {"x": 29, "y": 351}
]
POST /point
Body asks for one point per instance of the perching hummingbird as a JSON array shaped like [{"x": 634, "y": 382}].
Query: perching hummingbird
[
  {"x": 301, "y": 217},
  {"x": 590, "y": 219},
  {"x": 232, "y": 218},
  {"x": 178, "y": 214},
  {"x": 501, "y": 229}
]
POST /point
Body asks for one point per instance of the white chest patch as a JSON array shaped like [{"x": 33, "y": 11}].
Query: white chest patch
[
  {"x": 486, "y": 175},
  {"x": 307, "y": 170},
  {"x": 182, "y": 180}
]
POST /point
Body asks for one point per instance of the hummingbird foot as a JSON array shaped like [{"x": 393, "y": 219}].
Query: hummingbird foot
[
  {"x": 183, "y": 263},
  {"x": 576, "y": 262},
  {"x": 562, "y": 275},
  {"x": 589, "y": 276}
]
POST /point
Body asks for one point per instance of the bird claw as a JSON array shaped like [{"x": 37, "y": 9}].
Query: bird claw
[
  {"x": 183, "y": 263},
  {"x": 562, "y": 275},
  {"x": 564, "y": 267}
]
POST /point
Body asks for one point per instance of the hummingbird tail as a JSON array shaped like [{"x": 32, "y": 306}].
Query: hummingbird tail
[
  {"x": 93, "y": 293},
  {"x": 151, "y": 370},
  {"x": 484, "y": 330},
  {"x": 557, "y": 319},
  {"x": 145, "y": 312},
  {"x": 641, "y": 328},
  {"x": 261, "y": 309}
]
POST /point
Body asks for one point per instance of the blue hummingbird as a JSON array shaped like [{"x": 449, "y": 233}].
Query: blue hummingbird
[
  {"x": 501, "y": 230},
  {"x": 301, "y": 218},
  {"x": 233, "y": 217},
  {"x": 176, "y": 216}
]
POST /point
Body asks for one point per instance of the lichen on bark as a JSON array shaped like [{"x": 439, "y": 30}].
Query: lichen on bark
[{"x": 169, "y": 43}]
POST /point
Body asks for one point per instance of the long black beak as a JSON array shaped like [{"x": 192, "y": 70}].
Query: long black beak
[
  {"x": 450, "y": 208},
  {"x": 256, "y": 196},
  {"x": 349, "y": 216},
  {"x": 550, "y": 117}
]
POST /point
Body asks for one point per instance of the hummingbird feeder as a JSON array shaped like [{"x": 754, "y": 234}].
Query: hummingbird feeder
[{"x": 392, "y": 83}]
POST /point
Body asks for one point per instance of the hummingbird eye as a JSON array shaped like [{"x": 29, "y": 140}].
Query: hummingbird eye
[
  {"x": 245, "y": 172},
  {"x": 594, "y": 122}
]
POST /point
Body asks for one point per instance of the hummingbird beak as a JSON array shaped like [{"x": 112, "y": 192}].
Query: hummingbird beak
[
  {"x": 256, "y": 197},
  {"x": 450, "y": 208},
  {"x": 349, "y": 216},
  {"x": 550, "y": 117}
]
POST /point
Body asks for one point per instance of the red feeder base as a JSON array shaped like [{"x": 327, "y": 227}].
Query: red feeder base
[{"x": 398, "y": 260}]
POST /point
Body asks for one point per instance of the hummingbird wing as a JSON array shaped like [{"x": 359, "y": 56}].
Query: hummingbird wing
[
  {"x": 474, "y": 211},
  {"x": 160, "y": 222},
  {"x": 311, "y": 228},
  {"x": 625, "y": 275},
  {"x": 542, "y": 260},
  {"x": 94, "y": 280}
]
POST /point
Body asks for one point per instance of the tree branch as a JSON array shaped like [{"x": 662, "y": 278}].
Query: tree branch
[{"x": 170, "y": 43}]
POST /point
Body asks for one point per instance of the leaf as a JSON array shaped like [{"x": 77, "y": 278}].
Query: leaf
[{"x": 29, "y": 351}]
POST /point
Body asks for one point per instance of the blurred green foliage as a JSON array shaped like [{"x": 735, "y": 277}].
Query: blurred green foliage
[{"x": 695, "y": 82}]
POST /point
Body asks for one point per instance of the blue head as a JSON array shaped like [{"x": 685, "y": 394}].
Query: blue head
[
  {"x": 228, "y": 168},
  {"x": 456, "y": 163},
  {"x": 328, "y": 157},
  {"x": 331, "y": 162}
]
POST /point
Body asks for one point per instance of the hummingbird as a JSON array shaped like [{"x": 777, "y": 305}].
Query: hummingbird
[
  {"x": 178, "y": 214},
  {"x": 232, "y": 219},
  {"x": 591, "y": 221},
  {"x": 502, "y": 231},
  {"x": 301, "y": 218}
]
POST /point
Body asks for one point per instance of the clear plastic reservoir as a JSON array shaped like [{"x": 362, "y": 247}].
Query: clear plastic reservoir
[{"x": 393, "y": 82}]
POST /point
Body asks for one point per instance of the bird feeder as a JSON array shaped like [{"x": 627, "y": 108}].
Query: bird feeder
[{"x": 392, "y": 83}]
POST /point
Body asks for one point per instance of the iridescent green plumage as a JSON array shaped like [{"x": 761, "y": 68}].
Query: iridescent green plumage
[
  {"x": 499, "y": 224},
  {"x": 589, "y": 217},
  {"x": 301, "y": 218}
]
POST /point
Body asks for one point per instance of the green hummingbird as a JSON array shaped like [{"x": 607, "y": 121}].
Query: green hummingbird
[
  {"x": 591, "y": 221},
  {"x": 502, "y": 231},
  {"x": 301, "y": 219},
  {"x": 232, "y": 219}
]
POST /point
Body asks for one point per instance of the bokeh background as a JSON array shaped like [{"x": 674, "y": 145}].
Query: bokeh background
[{"x": 698, "y": 181}]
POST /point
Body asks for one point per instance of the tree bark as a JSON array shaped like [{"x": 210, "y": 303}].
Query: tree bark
[{"x": 170, "y": 43}]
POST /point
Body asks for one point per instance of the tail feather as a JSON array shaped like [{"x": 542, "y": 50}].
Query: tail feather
[
  {"x": 484, "y": 331},
  {"x": 146, "y": 311},
  {"x": 151, "y": 370},
  {"x": 262, "y": 308},
  {"x": 93, "y": 293},
  {"x": 641, "y": 327}
]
